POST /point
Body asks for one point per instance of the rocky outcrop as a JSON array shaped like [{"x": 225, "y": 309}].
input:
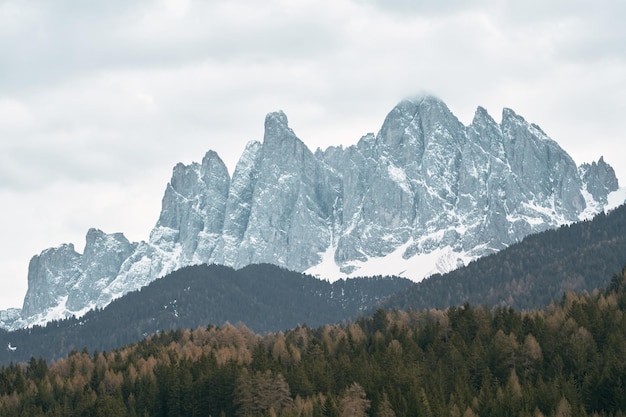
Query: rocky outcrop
[
  {"x": 101, "y": 260},
  {"x": 61, "y": 278},
  {"x": 51, "y": 275},
  {"x": 599, "y": 179}
]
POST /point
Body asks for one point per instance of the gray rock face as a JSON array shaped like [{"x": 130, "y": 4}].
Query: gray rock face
[
  {"x": 291, "y": 196},
  {"x": 599, "y": 179},
  {"x": 192, "y": 217},
  {"x": 51, "y": 275},
  {"x": 426, "y": 194},
  {"x": 61, "y": 278},
  {"x": 100, "y": 264}
]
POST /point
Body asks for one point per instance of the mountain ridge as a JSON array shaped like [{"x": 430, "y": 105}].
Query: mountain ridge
[{"x": 426, "y": 191}]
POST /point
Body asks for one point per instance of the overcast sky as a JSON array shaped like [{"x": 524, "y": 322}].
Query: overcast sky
[{"x": 99, "y": 100}]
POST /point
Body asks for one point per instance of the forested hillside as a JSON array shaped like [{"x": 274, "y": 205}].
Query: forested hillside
[
  {"x": 264, "y": 297},
  {"x": 568, "y": 359},
  {"x": 532, "y": 273}
]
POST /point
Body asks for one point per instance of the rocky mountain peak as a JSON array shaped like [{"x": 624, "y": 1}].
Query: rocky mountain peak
[
  {"x": 97, "y": 242},
  {"x": 212, "y": 165},
  {"x": 100, "y": 264},
  {"x": 280, "y": 143},
  {"x": 599, "y": 179},
  {"x": 407, "y": 116},
  {"x": 50, "y": 276},
  {"x": 276, "y": 125},
  {"x": 484, "y": 130},
  {"x": 509, "y": 115},
  {"x": 482, "y": 118},
  {"x": 417, "y": 130}
]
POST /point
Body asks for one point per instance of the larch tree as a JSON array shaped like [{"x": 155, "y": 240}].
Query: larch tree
[{"x": 354, "y": 403}]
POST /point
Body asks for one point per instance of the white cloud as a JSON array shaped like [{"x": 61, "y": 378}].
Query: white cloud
[{"x": 14, "y": 114}]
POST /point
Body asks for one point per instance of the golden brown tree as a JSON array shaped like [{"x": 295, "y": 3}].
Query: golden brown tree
[{"x": 353, "y": 402}]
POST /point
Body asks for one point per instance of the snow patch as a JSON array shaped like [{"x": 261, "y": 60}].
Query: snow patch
[
  {"x": 592, "y": 207},
  {"x": 327, "y": 268},
  {"x": 416, "y": 268},
  {"x": 399, "y": 177},
  {"x": 54, "y": 313}
]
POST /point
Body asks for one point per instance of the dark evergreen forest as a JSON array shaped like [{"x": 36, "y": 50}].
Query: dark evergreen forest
[{"x": 568, "y": 359}]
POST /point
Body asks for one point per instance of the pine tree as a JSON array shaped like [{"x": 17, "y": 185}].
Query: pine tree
[{"x": 384, "y": 408}]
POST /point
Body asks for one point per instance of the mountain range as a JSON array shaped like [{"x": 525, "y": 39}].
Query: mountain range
[{"x": 425, "y": 195}]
